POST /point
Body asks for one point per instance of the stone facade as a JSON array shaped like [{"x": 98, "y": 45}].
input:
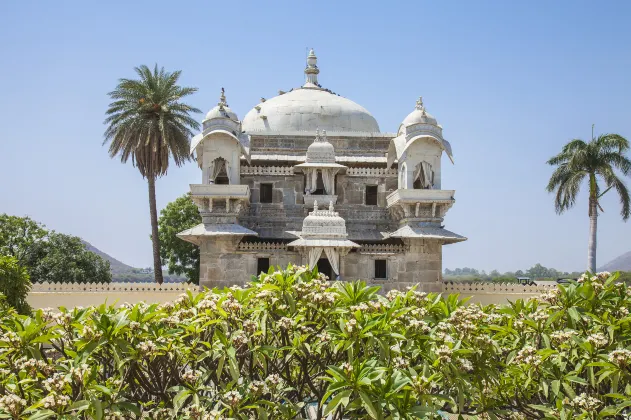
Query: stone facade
[{"x": 261, "y": 177}]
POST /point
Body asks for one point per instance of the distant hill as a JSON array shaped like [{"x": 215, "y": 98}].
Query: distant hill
[
  {"x": 116, "y": 266},
  {"x": 622, "y": 263},
  {"x": 127, "y": 273}
]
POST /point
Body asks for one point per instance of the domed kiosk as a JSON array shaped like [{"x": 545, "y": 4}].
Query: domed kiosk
[{"x": 263, "y": 177}]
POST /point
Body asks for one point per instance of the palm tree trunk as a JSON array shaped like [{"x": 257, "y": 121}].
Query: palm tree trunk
[
  {"x": 155, "y": 239},
  {"x": 593, "y": 227}
]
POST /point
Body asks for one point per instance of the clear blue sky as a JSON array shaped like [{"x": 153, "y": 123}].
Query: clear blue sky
[{"x": 510, "y": 82}]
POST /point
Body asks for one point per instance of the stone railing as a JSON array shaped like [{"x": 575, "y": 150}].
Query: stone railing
[
  {"x": 371, "y": 172},
  {"x": 112, "y": 287},
  {"x": 262, "y": 246},
  {"x": 381, "y": 249},
  {"x": 53, "y": 295},
  {"x": 267, "y": 170},
  {"x": 497, "y": 293}
]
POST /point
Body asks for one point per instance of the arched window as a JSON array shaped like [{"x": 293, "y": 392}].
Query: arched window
[
  {"x": 218, "y": 172},
  {"x": 423, "y": 176}
]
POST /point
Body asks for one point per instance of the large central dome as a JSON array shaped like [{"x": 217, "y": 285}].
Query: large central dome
[{"x": 309, "y": 108}]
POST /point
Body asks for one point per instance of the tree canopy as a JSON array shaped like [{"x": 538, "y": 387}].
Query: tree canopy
[
  {"x": 14, "y": 284},
  {"x": 182, "y": 257},
  {"x": 48, "y": 255}
]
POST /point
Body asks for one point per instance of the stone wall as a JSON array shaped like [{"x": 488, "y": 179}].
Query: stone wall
[
  {"x": 69, "y": 295},
  {"x": 46, "y": 295}
]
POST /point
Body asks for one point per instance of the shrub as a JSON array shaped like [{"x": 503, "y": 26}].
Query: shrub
[
  {"x": 291, "y": 342},
  {"x": 14, "y": 284}
]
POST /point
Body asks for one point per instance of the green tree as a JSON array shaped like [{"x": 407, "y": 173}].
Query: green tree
[
  {"x": 19, "y": 235},
  {"x": 14, "y": 283},
  {"x": 182, "y": 257},
  {"x": 148, "y": 123},
  {"x": 596, "y": 162},
  {"x": 65, "y": 259}
]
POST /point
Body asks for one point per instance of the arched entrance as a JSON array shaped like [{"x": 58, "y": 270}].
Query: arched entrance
[{"x": 324, "y": 266}]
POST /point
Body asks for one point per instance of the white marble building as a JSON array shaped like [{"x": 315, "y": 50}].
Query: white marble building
[{"x": 308, "y": 177}]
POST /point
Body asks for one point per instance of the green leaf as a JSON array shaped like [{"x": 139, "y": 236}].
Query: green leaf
[
  {"x": 367, "y": 404},
  {"x": 180, "y": 399},
  {"x": 341, "y": 398}
]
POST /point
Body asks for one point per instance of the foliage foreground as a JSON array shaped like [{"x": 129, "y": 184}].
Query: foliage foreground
[{"x": 293, "y": 346}]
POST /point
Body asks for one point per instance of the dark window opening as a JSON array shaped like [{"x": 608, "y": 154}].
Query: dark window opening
[
  {"x": 417, "y": 184},
  {"x": 222, "y": 177},
  {"x": 381, "y": 269},
  {"x": 266, "y": 193},
  {"x": 319, "y": 185},
  {"x": 371, "y": 195},
  {"x": 262, "y": 265},
  {"x": 324, "y": 267}
]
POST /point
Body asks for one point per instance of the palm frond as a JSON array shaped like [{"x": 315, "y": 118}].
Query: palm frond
[{"x": 147, "y": 122}]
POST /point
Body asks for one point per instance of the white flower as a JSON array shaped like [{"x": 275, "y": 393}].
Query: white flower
[
  {"x": 258, "y": 387},
  {"x": 191, "y": 376},
  {"x": 233, "y": 398},
  {"x": 561, "y": 337},
  {"x": 527, "y": 355},
  {"x": 56, "y": 383},
  {"x": 147, "y": 348},
  {"x": 12, "y": 404},
  {"x": 350, "y": 325},
  {"x": 346, "y": 367},
  {"x": 400, "y": 363},
  {"x": 598, "y": 340},
  {"x": 54, "y": 400},
  {"x": 465, "y": 365},
  {"x": 239, "y": 338},
  {"x": 585, "y": 402},
  {"x": 620, "y": 357},
  {"x": 285, "y": 323},
  {"x": 444, "y": 354}
]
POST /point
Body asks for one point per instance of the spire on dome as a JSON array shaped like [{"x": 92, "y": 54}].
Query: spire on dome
[
  {"x": 311, "y": 71},
  {"x": 420, "y": 106},
  {"x": 315, "y": 205},
  {"x": 222, "y": 99}
]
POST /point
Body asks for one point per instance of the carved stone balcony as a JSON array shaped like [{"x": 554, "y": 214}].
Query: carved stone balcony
[
  {"x": 407, "y": 205},
  {"x": 220, "y": 203}
]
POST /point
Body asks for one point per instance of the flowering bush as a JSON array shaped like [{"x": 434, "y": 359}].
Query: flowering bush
[{"x": 293, "y": 346}]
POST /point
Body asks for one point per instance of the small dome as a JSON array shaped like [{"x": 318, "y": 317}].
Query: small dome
[
  {"x": 320, "y": 151},
  {"x": 324, "y": 224},
  {"x": 418, "y": 116},
  {"x": 221, "y": 110}
]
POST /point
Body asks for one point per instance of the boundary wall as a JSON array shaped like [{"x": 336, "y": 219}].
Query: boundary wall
[{"x": 52, "y": 295}]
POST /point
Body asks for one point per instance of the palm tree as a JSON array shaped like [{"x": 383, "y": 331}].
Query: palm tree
[
  {"x": 148, "y": 123},
  {"x": 595, "y": 161}
]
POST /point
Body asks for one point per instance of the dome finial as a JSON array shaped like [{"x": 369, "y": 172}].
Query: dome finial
[
  {"x": 419, "y": 103},
  {"x": 331, "y": 208},
  {"x": 315, "y": 205},
  {"x": 222, "y": 99},
  {"x": 311, "y": 71},
  {"x": 420, "y": 106},
  {"x": 323, "y": 138}
]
